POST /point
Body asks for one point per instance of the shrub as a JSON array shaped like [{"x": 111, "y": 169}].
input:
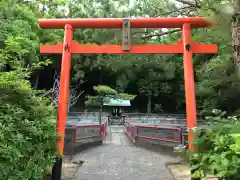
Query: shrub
[
  {"x": 218, "y": 148},
  {"x": 27, "y": 129}
]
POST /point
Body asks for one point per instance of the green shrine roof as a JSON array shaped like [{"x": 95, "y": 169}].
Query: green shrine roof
[{"x": 116, "y": 102}]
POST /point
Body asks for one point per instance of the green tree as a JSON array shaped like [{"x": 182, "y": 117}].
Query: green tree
[
  {"x": 104, "y": 94},
  {"x": 98, "y": 100},
  {"x": 28, "y": 133},
  {"x": 154, "y": 71},
  {"x": 28, "y": 136}
]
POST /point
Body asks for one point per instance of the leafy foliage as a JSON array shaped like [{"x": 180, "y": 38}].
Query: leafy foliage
[
  {"x": 27, "y": 122},
  {"x": 126, "y": 96},
  {"x": 28, "y": 137},
  {"x": 104, "y": 93},
  {"x": 218, "y": 147},
  {"x": 27, "y": 133},
  {"x": 104, "y": 90}
]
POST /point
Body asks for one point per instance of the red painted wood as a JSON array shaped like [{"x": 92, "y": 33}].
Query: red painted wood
[
  {"x": 158, "y": 139},
  {"x": 64, "y": 84},
  {"x": 189, "y": 83},
  {"x": 136, "y": 49},
  {"x": 196, "y": 22}
]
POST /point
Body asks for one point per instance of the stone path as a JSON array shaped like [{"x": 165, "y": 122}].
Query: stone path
[{"x": 119, "y": 159}]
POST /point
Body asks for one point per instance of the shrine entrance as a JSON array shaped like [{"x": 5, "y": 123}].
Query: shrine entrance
[{"x": 68, "y": 47}]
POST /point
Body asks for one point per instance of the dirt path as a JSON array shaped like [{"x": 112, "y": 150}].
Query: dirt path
[{"x": 119, "y": 159}]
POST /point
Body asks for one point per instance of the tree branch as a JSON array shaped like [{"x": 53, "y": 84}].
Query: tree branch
[
  {"x": 174, "y": 11},
  {"x": 161, "y": 34},
  {"x": 190, "y": 3},
  {"x": 197, "y": 2}
]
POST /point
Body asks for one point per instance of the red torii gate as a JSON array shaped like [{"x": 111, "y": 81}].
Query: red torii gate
[{"x": 185, "y": 47}]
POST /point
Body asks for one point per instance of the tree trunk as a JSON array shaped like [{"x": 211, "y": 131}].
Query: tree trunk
[
  {"x": 70, "y": 9},
  {"x": 236, "y": 41},
  {"x": 100, "y": 115},
  {"x": 100, "y": 78},
  {"x": 149, "y": 104},
  {"x": 36, "y": 82},
  {"x": 100, "y": 111}
]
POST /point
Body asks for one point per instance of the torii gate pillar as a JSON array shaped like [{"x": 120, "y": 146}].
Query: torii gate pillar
[
  {"x": 189, "y": 82},
  {"x": 63, "y": 98}
]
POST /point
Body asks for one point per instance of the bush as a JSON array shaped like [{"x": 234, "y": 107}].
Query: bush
[
  {"x": 218, "y": 148},
  {"x": 27, "y": 129}
]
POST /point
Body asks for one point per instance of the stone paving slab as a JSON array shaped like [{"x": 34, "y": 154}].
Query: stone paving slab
[
  {"x": 182, "y": 172},
  {"x": 119, "y": 159}
]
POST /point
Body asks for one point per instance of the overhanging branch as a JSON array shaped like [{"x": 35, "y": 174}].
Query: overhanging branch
[
  {"x": 190, "y": 3},
  {"x": 161, "y": 34},
  {"x": 174, "y": 11}
]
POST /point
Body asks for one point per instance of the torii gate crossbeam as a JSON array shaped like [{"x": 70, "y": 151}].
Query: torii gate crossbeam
[{"x": 185, "y": 47}]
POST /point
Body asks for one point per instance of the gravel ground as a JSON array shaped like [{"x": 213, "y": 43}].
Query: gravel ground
[{"x": 119, "y": 159}]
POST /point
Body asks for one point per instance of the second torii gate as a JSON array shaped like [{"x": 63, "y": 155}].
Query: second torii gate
[{"x": 68, "y": 47}]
